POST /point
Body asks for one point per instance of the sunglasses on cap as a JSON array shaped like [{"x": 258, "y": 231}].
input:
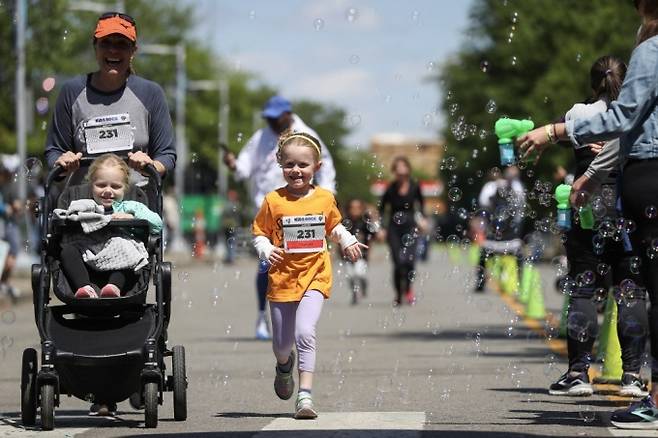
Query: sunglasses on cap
[{"x": 126, "y": 17}]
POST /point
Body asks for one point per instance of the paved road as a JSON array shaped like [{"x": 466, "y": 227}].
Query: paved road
[{"x": 457, "y": 364}]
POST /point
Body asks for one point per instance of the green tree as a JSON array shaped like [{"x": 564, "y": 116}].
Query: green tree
[{"x": 523, "y": 59}]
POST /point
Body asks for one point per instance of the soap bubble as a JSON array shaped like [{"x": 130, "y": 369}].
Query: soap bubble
[
  {"x": 455, "y": 194},
  {"x": 351, "y": 14},
  {"x": 318, "y": 24},
  {"x": 491, "y": 107}
]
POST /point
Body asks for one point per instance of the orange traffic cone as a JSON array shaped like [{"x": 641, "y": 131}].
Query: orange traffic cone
[{"x": 199, "y": 234}]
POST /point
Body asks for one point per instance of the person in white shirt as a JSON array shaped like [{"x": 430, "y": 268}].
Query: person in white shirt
[{"x": 257, "y": 164}]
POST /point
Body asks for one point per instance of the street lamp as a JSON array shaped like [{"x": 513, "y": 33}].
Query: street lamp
[
  {"x": 177, "y": 50},
  {"x": 220, "y": 85}
]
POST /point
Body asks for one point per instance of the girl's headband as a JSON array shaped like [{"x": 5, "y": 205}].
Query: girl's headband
[{"x": 308, "y": 138}]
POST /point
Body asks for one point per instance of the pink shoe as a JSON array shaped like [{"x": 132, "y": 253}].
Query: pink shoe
[
  {"x": 110, "y": 291},
  {"x": 410, "y": 297},
  {"x": 86, "y": 292}
]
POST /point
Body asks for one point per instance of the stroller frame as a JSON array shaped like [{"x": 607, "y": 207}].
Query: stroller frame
[{"x": 143, "y": 366}]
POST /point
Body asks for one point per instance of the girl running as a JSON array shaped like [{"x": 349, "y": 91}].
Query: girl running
[{"x": 289, "y": 232}]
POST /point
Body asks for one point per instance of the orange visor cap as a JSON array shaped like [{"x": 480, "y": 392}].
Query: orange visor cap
[{"x": 118, "y": 25}]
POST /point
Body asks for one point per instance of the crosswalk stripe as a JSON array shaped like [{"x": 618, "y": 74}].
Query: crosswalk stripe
[
  {"x": 384, "y": 424},
  {"x": 631, "y": 433}
]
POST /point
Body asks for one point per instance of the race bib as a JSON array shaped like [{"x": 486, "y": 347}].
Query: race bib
[
  {"x": 109, "y": 134},
  {"x": 303, "y": 233}
]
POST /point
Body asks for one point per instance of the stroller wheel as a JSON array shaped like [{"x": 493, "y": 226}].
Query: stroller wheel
[
  {"x": 151, "y": 405},
  {"x": 47, "y": 406},
  {"x": 180, "y": 383},
  {"x": 29, "y": 387}
]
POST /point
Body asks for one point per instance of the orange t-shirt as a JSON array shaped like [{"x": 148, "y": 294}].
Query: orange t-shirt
[{"x": 298, "y": 272}]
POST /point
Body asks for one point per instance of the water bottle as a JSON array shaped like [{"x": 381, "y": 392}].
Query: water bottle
[
  {"x": 507, "y": 157},
  {"x": 562, "y": 193}
]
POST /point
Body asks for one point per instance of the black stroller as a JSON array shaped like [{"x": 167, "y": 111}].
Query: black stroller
[{"x": 101, "y": 350}]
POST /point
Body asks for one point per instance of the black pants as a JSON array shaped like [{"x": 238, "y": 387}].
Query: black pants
[
  {"x": 402, "y": 242},
  {"x": 639, "y": 195},
  {"x": 587, "y": 266},
  {"x": 78, "y": 275}
]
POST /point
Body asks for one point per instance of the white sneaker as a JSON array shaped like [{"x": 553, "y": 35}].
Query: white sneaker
[
  {"x": 304, "y": 409},
  {"x": 262, "y": 329}
]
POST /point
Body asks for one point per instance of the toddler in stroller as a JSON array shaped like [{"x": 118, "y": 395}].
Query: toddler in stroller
[
  {"x": 87, "y": 343},
  {"x": 113, "y": 255}
]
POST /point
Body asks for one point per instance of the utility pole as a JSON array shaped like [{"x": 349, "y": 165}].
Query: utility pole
[{"x": 21, "y": 128}]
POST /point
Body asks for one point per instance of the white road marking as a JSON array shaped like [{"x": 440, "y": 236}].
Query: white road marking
[
  {"x": 614, "y": 431},
  {"x": 381, "y": 424}
]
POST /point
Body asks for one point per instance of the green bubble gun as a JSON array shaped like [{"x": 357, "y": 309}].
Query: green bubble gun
[
  {"x": 506, "y": 131},
  {"x": 562, "y": 194}
]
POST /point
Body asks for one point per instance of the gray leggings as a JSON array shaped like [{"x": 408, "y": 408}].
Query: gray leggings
[{"x": 294, "y": 323}]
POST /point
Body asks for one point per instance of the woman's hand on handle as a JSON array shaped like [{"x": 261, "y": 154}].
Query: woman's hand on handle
[
  {"x": 139, "y": 160},
  {"x": 69, "y": 161}
]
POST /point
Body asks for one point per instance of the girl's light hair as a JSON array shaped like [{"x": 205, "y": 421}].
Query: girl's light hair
[
  {"x": 289, "y": 137},
  {"x": 108, "y": 160}
]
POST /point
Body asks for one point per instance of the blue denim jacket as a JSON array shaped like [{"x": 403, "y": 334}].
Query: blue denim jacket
[{"x": 633, "y": 117}]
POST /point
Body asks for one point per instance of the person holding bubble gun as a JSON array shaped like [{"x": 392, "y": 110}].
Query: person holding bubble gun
[
  {"x": 506, "y": 131},
  {"x": 562, "y": 195}
]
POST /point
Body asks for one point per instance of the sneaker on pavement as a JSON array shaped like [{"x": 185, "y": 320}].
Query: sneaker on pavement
[
  {"x": 632, "y": 386},
  {"x": 304, "y": 409},
  {"x": 262, "y": 329},
  {"x": 641, "y": 415},
  {"x": 86, "y": 292},
  {"x": 284, "y": 383},
  {"x": 110, "y": 291},
  {"x": 573, "y": 385}
]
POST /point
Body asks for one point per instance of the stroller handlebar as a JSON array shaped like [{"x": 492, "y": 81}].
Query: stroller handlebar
[{"x": 57, "y": 171}]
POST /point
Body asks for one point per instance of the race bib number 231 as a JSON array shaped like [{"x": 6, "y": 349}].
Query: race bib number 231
[
  {"x": 303, "y": 233},
  {"x": 109, "y": 134}
]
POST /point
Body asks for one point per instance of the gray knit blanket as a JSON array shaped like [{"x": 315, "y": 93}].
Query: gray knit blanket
[{"x": 102, "y": 249}]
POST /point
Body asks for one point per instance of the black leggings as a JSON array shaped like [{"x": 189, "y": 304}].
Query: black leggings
[
  {"x": 640, "y": 203},
  {"x": 402, "y": 242},
  {"x": 585, "y": 277},
  {"x": 78, "y": 275}
]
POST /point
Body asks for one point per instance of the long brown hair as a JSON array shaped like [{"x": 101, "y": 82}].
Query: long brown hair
[
  {"x": 606, "y": 76},
  {"x": 649, "y": 11}
]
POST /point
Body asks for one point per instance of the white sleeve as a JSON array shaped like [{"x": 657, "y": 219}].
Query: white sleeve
[
  {"x": 263, "y": 247},
  {"x": 488, "y": 190},
  {"x": 343, "y": 237},
  {"x": 247, "y": 156},
  {"x": 326, "y": 176}
]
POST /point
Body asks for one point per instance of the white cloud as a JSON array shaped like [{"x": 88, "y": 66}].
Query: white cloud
[
  {"x": 342, "y": 11},
  {"x": 349, "y": 83}
]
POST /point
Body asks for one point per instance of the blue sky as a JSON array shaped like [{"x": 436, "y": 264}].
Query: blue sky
[{"x": 372, "y": 58}]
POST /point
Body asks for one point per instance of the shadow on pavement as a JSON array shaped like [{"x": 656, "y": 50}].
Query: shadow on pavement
[
  {"x": 351, "y": 433},
  {"x": 72, "y": 419},
  {"x": 250, "y": 415}
]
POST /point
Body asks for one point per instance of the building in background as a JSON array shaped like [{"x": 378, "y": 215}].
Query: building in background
[{"x": 423, "y": 154}]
